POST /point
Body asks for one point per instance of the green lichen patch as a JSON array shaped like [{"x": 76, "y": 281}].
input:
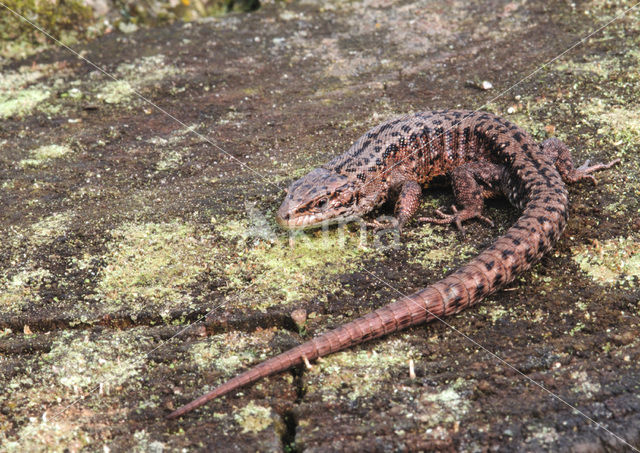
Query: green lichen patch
[
  {"x": 495, "y": 312},
  {"x": 609, "y": 112},
  {"x": 20, "y": 78},
  {"x": 24, "y": 91},
  {"x": 152, "y": 264},
  {"x": 585, "y": 385},
  {"x": 620, "y": 123},
  {"x": 44, "y": 154},
  {"x": 292, "y": 272},
  {"x": 80, "y": 364},
  {"x": 62, "y": 20},
  {"x": 175, "y": 138},
  {"x": 432, "y": 248},
  {"x": 603, "y": 68},
  {"x": 287, "y": 269},
  {"x": 133, "y": 77},
  {"x": 444, "y": 406},
  {"x": 610, "y": 261},
  {"x": 358, "y": 374},
  {"x": 288, "y": 173},
  {"x": 171, "y": 160},
  {"x": 544, "y": 435},
  {"x": 49, "y": 228},
  {"x": 22, "y": 289},
  {"x": 22, "y": 102},
  {"x": 83, "y": 368},
  {"x": 228, "y": 352},
  {"x": 253, "y": 418},
  {"x": 44, "y": 436},
  {"x": 115, "y": 92}
]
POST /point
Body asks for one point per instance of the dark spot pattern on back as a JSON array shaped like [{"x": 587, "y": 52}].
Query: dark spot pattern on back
[{"x": 431, "y": 144}]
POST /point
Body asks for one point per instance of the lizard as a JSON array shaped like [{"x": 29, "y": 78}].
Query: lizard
[{"x": 483, "y": 155}]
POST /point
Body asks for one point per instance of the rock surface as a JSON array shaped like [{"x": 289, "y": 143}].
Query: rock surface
[{"x": 141, "y": 265}]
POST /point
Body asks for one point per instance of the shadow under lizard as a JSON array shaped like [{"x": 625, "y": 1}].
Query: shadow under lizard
[{"x": 484, "y": 156}]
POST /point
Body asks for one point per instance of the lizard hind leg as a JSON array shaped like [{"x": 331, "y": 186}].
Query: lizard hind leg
[
  {"x": 561, "y": 156},
  {"x": 472, "y": 183}
]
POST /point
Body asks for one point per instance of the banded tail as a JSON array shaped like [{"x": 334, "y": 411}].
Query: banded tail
[
  {"x": 485, "y": 274},
  {"x": 403, "y": 313}
]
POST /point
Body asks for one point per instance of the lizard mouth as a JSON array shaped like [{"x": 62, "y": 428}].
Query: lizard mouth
[
  {"x": 299, "y": 223},
  {"x": 310, "y": 221}
]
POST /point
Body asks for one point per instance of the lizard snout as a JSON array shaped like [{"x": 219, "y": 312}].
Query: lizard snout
[{"x": 283, "y": 215}]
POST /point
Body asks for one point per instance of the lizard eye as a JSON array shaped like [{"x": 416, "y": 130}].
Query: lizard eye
[{"x": 321, "y": 203}]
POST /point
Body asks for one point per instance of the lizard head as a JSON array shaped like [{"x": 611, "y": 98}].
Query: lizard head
[{"x": 320, "y": 196}]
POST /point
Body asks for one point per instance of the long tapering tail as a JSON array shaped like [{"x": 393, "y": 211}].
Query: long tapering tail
[
  {"x": 485, "y": 274},
  {"x": 444, "y": 297},
  {"x": 398, "y": 315}
]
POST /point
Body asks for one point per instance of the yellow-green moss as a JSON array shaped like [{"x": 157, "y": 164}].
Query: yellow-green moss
[
  {"x": 45, "y": 436},
  {"x": 49, "y": 228},
  {"x": 357, "y": 374},
  {"x": 610, "y": 261},
  {"x": 22, "y": 289},
  {"x": 228, "y": 352},
  {"x": 432, "y": 246},
  {"x": 253, "y": 418},
  {"x": 154, "y": 262},
  {"x": 80, "y": 364},
  {"x": 133, "y": 77},
  {"x": 44, "y": 154},
  {"x": 21, "y": 102},
  {"x": 287, "y": 270}
]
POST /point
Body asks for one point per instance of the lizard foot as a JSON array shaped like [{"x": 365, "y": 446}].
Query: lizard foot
[
  {"x": 457, "y": 217},
  {"x": 388, "y": 223},
  {"x": 584, "y": 171}
]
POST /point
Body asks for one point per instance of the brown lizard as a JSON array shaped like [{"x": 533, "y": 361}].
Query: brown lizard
[{"x": 484, "y": 156}]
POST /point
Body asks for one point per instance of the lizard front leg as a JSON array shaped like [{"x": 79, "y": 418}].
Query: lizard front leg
[
  {"x": 408, "y": 202},
  {"x": 472, "y": 183},
  {"x": 406, "y": 206}
]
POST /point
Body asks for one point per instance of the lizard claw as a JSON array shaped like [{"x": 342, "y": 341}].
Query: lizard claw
[
  {"x": 584, "y": 171},
  {"x": 457, "y": 217},
  {"x": 389, "y": 223},
  {"x": 584, "y": 166}
]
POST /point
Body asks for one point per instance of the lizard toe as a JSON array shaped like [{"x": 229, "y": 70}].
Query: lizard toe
[
  {"x": 584, "y": 171},
  {"x": 456, "y": 218}
]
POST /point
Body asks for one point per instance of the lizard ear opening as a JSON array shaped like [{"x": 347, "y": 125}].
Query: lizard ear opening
[{"x": 346, "y": 197}]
